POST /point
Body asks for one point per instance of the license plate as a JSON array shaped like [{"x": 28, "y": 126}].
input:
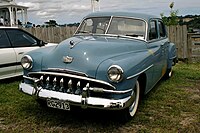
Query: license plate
[{"x": 58, "y": 104}]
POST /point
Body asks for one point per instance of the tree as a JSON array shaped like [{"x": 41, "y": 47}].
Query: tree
[
  {"x": 51, "y": 23},
  {"x": 194, "y": 23},
  {"x": 173, "y": 18},
  {"x": 74, "y": 24}
]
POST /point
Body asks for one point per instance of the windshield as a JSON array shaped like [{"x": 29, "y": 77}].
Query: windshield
[
  {"x": 96, "y": 25},
  {"x": 120, "y": 26}
]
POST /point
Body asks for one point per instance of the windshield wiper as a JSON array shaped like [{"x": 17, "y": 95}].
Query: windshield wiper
[
  {"x": 84, "y": 31},
  {"x": 134, "y": 35},
  {"x": 140, "y": 37},
  {"x": 116, "y": 35}
]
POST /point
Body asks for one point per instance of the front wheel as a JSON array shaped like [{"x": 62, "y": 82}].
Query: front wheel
[{"x": 135, "y": 96}]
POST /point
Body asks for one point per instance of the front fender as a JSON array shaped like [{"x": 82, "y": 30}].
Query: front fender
[
  {"x": 131, "y": 63},
  {"x": 37, "y": 55}
]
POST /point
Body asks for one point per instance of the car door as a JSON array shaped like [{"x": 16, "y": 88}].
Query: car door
[
  {"x": 22, "y": 42},
  {"x": 157, "y": 46},
  {"x": 7, "y": 57}
]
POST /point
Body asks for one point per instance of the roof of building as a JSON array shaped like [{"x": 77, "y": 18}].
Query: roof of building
[{"x": 8, "y": 3}]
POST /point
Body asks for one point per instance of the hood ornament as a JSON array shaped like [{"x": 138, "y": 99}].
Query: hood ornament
[{"x": 67, "y": 59}]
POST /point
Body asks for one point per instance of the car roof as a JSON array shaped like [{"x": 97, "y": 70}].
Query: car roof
[{"x": 122, "y": 14}]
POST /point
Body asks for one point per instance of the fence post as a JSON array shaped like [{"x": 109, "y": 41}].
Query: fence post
[
  {"x": 189, "y": 38},
  {"x": 185, "y": 42}
]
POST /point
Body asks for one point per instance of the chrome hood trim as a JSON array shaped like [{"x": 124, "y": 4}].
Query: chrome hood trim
[{"x": 67, "y": 71}]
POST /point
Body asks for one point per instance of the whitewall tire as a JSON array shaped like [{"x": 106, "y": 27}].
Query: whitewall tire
[
  {"x": 132, "y": 109},
  {"x": 136, "y": 98}
]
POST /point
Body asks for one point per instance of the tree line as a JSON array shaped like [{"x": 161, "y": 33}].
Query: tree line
[{"x": 174, "y": 19}]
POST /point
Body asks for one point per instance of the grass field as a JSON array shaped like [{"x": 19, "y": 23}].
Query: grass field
[{"x": 172, "y": 106}]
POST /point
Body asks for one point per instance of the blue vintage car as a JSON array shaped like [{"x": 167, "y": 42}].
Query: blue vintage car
[{"x": 111, "y": 61}]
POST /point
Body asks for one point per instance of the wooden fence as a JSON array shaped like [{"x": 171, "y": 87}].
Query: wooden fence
[
  {"x": 178, "y": 35},
  {"x": 188, "y": 45},
  {"x": 194, "y": 47},
  {"x": 52, "y": 34}
]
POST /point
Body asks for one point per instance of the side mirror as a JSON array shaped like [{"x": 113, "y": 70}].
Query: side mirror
[{"x": 42, "y": 43}]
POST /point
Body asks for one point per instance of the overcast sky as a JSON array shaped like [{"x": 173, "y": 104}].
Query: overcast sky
[{"x": 70, "y": 11}]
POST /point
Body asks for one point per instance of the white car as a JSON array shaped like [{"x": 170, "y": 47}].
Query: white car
[{"x": 14, "y": 43}]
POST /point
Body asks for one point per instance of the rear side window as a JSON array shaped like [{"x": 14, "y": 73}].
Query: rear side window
[
  {"x": 4, "y": 42},
  {"x": 20, "y": 38},
  {"x": 153, "y": 34},
  {"x": 162, "y": 30}
]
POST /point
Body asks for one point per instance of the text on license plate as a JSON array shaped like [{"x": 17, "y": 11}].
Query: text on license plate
[{"x": 58, "y": 104}]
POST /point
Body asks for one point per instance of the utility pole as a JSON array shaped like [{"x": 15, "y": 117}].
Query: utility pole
[{"x": 95, "y": 5}]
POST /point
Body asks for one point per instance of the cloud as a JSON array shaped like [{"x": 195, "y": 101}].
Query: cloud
[
  {"x": 80, "y": 7},
  {"x": 66, "y": 11},
  {"x": 40, "y": 13},
  {"x": 32, "y": 6}
]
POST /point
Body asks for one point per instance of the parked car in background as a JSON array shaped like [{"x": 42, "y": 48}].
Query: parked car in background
[
  {"x": 111, "y": 61},
  {"x": 14, "y": 43}
]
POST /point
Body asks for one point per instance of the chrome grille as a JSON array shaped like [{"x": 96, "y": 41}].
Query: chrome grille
[
  {"x": 67, "y": 83},
  {"x": 62, "y": 84}
]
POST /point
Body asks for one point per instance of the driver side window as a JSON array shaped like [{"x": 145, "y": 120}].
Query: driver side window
[
  {"x": 153, "y": 32},
  {"x": 162, "y": 30}
]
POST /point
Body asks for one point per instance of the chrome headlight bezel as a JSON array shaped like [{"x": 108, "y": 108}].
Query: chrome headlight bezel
[
  {"x": 27, "y": 62},
  {"x": 115, "y": 73}
]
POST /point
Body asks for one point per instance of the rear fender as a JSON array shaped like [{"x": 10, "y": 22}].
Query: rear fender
[{"x": 172, "y": 56}]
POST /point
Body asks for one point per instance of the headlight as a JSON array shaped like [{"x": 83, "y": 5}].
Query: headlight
[
  {"x": 27, "y": 62},
  {"x": 115, "y": 73}
]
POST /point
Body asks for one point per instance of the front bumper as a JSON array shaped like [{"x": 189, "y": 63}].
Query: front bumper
[{"x": 82, "y": 100}]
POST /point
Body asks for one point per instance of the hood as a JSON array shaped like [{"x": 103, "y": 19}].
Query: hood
[{"x": 84, "y": 54}]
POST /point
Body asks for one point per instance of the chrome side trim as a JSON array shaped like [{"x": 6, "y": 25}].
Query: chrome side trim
[
  {"x": 135, "y": 75},
  {"x": 74, "y": 76}
]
